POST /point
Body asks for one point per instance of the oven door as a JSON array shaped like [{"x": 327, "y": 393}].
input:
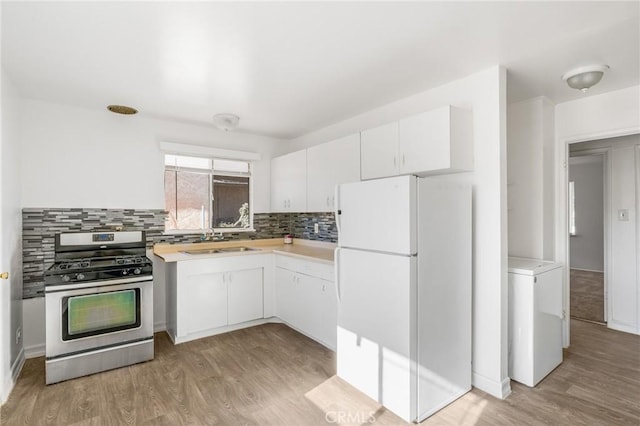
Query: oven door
[{"x": 90, "y": 316}]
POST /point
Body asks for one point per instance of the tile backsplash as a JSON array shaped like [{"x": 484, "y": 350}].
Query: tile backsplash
[{"x": 39, "y": 226}]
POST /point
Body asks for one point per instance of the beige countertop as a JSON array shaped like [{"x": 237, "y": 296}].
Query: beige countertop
[{"x": 317, "y": 251}]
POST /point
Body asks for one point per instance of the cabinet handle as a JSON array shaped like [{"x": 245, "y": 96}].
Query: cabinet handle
[
  {"x": 328, "y": 202},
  {"x": 394, "y": 161},
  {"x": 230, "y": 277},
  {"x": 333, "y": 201},
  {"x": 403, "y": 159}
]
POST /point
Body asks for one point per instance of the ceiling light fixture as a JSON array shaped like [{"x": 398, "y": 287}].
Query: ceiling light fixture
[
  {"x": 584, "y": 78},
  {"x": 122, "y": 109},
  {"x": 226, "y": 121}
]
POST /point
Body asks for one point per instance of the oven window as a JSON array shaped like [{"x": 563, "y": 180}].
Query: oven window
[{"x": 95, "y": 314}]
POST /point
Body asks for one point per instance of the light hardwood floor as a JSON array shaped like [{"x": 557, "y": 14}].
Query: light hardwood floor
[
  {"x": 271, "y": 375},
  {"x": 587, "y": 295}
]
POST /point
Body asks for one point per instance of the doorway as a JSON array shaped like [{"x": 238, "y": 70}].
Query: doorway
[{"x": 587, "y": 233}]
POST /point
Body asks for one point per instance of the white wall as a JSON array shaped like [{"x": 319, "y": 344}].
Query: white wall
[
  {"x": 11, "y": 238},
  {"x": 79, "y": 157},
  {"x": 530, "y": 183},
  {"x": 485, "y": 94},
  {"x": 595, "y": 117},
  {"x": 587, "y": 246}
]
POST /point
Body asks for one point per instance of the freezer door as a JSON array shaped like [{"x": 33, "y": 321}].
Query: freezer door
[
  {"x": 378, "y": 215},
  {"x": 377, "y": 327}
]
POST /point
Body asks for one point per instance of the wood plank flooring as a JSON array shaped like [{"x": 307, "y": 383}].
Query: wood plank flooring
[
  {"x": 587, "y": 295},
  {"x": 272, "y": 375}
]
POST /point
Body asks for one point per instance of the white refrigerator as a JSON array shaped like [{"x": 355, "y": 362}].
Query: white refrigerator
[{"x": 403, "y": 277}]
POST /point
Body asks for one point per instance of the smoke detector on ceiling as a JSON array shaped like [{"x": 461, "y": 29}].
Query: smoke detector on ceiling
[
  {"x": 584, "y": 78},
  {"x": 226, "y": 121}
]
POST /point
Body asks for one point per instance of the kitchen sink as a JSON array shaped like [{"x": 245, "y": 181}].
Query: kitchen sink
[
  {"x": 201, "y": 251},
  {"x": 219, "y": 250},
  {"x": 235, "y": 249}
]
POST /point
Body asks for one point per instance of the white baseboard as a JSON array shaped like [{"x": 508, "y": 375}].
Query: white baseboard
[
  {"x": 498, "y": 389},
  {"x": 10, "y": 381},
  {"x": 159, "y": 326},
  {"x": 34, "y": 351},
  {"x": 627, "y": 328}
]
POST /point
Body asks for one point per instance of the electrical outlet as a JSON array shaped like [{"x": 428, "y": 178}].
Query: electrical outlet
[
  {"x": 316, "y": 228},
  {"x": 18, "y": 334}
]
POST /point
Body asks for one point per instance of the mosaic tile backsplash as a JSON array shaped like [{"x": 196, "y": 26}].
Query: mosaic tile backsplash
[{"x": 39, "y": 226}]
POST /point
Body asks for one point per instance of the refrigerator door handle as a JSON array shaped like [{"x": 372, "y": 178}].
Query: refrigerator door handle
[
  {"x": 337, "y": 211},
  {"x": 336, "y": 271}
]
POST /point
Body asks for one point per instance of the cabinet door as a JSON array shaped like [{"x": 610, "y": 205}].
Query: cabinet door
[
  {"x": 279, "y": 184},
  {"x": 328, "y": 303},
  {"x": 307, "y": 299},
  {"x": 244, "y": 293},
  {"x": 328, "y": 165},
  {"x": 297, "y": 173},
  {"x": 286, "y": 295},
  {"x": 205, "y": 303},
  {"x": 379, "y": 151},
  {"x": 437, "y": 141},
  {"x": 289, "y": 182}
]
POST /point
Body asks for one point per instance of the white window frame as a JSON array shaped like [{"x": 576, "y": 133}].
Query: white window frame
[{"x": 171, "y": 148}]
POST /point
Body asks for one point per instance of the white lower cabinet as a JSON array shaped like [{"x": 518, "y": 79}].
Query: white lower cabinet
[
  {"x": 205, "y": 299},
  {"x": 287, "y": 303},
  {"x": 244, "y": 295},
  {"x": 213, "y": 295},
  {"x": 306, "y": 298}
]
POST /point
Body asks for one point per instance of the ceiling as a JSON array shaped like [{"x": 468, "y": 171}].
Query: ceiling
[{"x": 288, "y": 68}]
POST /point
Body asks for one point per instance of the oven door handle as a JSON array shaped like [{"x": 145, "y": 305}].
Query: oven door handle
[{"x": 96, "y": 284}]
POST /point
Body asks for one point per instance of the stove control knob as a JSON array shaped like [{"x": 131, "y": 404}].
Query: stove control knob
[
  {"x": 125, "y": 272},
  {"x": 80, "y": 276},
  {"x": 137, "y": 271},
  {"x": 65, "y": 278}
]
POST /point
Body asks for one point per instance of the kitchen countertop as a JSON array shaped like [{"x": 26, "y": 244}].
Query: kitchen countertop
[{"x": 317, "y": 251}]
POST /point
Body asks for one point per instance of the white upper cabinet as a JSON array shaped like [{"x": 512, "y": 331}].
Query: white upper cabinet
[
  {"x": 328, "y": 165},
  {"x": 437, "y": 141},
  {"x": 434, "y": 142},
  {"x": 289, "y": 182},
  {"x": 379, "y": 148}
]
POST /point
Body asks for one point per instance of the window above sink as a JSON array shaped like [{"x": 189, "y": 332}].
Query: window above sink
[{"x": 203, "y": 193}]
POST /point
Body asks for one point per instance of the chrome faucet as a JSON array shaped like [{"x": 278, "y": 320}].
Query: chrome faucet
[{"x": 211, "y": 235}]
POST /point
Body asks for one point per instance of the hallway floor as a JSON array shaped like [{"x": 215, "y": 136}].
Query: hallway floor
[{"x": 587, "y": 295}]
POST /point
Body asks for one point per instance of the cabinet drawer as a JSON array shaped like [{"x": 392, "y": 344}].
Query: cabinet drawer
[{"x": 307, "y": 267}]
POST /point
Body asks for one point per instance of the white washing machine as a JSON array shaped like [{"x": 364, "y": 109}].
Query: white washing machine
[{"x": 535, "y": 319}]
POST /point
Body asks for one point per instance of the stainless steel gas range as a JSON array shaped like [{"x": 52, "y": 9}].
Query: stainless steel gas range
[{"x": 99, "y": 304}]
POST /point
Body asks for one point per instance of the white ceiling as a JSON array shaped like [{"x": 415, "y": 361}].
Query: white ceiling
[{"x": 290, "y": 68}]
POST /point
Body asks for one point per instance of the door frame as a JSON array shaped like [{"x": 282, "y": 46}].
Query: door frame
[
  {"x": 606, "y": 220},
  {"x": 562, "y": 210}
]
